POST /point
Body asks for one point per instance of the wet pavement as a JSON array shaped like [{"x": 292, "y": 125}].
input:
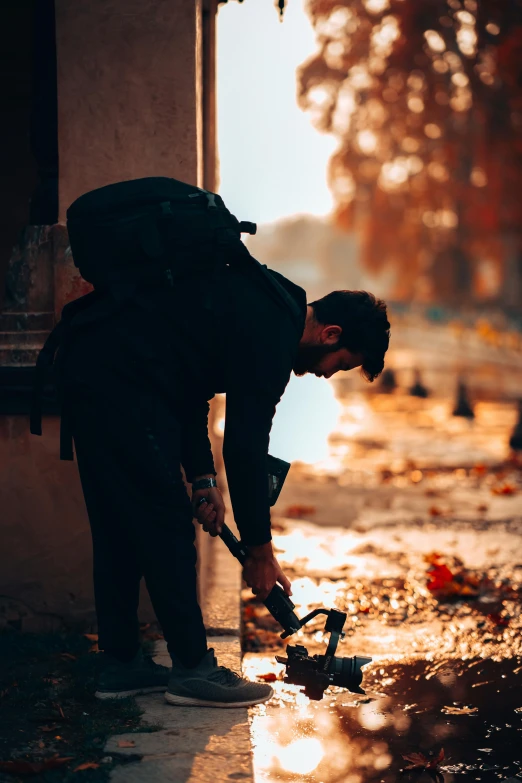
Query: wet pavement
[{"x": 411, "y": 524}]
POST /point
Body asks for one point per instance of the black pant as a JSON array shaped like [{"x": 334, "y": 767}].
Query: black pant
[{"x": 128, "y": 452}]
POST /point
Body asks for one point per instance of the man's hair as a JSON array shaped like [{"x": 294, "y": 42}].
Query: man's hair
[{"x": 365, "y": 325}]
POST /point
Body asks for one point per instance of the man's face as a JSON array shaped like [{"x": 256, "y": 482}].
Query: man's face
[{"x": 325, "y": 360}]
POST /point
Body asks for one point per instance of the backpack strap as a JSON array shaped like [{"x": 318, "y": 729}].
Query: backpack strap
[
  {"x": 277, "y": 291},
  {"x": 45, "y": 361}
]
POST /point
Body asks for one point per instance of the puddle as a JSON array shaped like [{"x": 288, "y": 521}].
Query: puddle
[
  {"x": 413, "y": 527},
  {"x": 467, "y": 708}
]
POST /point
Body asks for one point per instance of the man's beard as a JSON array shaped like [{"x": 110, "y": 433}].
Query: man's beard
[{"x": 309, "y": 356}]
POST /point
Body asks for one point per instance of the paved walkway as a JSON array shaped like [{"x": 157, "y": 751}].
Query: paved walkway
[{"x": 195, "y": 744}]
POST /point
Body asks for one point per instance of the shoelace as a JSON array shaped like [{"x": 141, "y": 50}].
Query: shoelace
[{"x": 224, "y": 676}]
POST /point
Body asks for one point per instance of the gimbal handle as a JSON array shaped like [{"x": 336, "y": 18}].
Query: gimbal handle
[{"x": 277, "y": 602}]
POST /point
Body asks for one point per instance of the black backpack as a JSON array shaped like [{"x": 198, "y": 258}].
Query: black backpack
[
  {"x": 142, "y": 232},
  {"x": 151, "y": 230}
]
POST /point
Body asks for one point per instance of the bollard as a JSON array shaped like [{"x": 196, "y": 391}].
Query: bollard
[
  {"x": 388, "y": 381},
  {"x": 463, "y": 406},
  {"x": 418, "y": 389},
  {"x": 515, "y": 440}
]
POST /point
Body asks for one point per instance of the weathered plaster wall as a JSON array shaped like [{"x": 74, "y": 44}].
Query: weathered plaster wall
[
  {"x": 127, "y": 98},
  {"x": 45, "y": 567}
]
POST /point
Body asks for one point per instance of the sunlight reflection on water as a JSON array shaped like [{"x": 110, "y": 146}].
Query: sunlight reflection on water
[{"x": 405, "y": 478}]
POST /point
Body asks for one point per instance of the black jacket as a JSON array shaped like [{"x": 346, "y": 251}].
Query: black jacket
[{"x": 228, "y": 333}]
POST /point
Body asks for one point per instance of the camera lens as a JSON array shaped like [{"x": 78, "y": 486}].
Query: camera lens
[{"x": 348, "y": 672}]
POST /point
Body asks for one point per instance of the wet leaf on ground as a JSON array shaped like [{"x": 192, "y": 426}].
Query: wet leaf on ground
[
  {"x": 298, "y": 511},
  {"x": 86, "y": 765},
  {"x": 504, "y": 489},
  {"x": 420, "y": 761}
]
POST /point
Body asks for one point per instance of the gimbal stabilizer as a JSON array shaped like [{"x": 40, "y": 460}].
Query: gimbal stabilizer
[{"x": 314, "y": 672}]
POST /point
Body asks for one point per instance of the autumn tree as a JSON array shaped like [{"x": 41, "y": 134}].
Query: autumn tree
[{"x": 425, "y": 99}]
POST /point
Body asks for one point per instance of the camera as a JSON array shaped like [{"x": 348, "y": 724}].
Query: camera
[
  {"x": 317, "y": 672},
  {"x": 314, "y": 672}
]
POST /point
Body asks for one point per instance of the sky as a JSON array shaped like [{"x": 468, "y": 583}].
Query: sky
[{"x": 273, "y": 162}]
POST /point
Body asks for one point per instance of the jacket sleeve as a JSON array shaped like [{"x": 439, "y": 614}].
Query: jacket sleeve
[
  {"x": 247, "y": 431},
  {"x": 196, "y": 452},
  {"x": 254, "y": 389}
]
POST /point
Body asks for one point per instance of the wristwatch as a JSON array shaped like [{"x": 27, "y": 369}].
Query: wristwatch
[{"x": 204, "y": 483}]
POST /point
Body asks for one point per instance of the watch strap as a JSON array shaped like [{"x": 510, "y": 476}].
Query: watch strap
[{"x": 204, "y": 483}]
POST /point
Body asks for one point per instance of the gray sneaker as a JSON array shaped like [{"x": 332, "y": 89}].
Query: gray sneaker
[
  {"x": 210, "y": 685},
  {"x": 141, "y": 675}
]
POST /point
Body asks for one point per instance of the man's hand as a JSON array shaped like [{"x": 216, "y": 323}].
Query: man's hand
[
  {"x": 211, "y": 513},
  {"x": 261, "y": 571}
]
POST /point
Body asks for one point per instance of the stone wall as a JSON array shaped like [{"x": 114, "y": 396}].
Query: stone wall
[{"x": 132, "y": 90}]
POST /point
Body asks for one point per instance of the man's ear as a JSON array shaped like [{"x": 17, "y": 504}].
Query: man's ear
[{"x": 330, "y": 334}]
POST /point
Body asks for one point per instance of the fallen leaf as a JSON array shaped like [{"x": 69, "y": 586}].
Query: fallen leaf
[
  {"x": 416, "y": 760},
  {"x": 86, "y": 765},
  {"x": 439, "y": 576},
  {"x": 126, "y": 744},
  {"x": 92, "y": 637},
  {"x": 269, "y": 677},
  {"x": 444, "y": 582},
  {"x": 297, "y": 511},
  {"x": 452, "y": 710},
  {"x": 68, "y": 656},
  {"x": 22, "y": 767},
  {"x": 498, "y": 619},
  {"x": 504, "y": 489},
  {"x": 48, "y": 728},
  {"x": 420, "y": 761}
]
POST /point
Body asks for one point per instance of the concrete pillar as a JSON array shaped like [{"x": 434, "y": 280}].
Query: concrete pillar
[
  {"x": 129, "y": 92},
  {"x": 133, "y": 89}
]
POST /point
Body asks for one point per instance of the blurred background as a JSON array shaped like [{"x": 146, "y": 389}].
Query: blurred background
[{"x": 378, "y": 144}]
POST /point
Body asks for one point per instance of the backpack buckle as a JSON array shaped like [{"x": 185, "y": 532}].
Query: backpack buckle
[{"x": 245, "y": 227}]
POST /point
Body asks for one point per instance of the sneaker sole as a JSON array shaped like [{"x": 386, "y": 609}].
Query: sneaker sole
[
  {"x": 186, "y": 701},
  {"x": 126, "y": 694}
]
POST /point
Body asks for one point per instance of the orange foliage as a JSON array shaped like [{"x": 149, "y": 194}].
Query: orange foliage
[{"x": 425, "y": 100}]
